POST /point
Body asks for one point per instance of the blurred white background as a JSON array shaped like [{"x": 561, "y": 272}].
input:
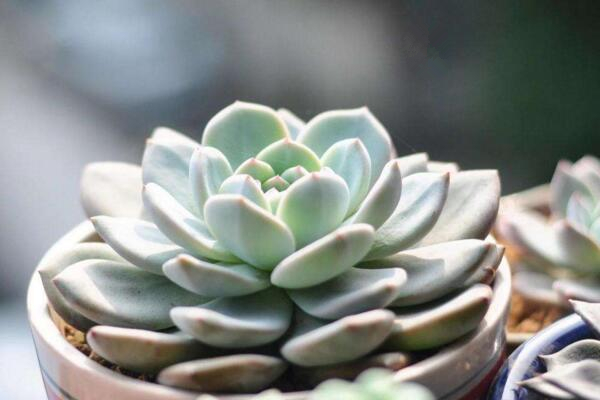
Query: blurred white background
[{"x": 511, "y": 86}]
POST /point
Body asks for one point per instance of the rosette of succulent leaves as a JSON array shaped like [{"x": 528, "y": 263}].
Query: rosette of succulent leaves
[
  {"x": 276, "y": 245},
  {"x": 560, "y": 252},
  {"x": 374, "y": 384},
  {"x": 574, "y": 371}
]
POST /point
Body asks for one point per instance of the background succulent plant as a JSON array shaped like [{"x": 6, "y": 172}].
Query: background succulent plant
[
  {"x": 561, "y": 252},
  {"x": 573, "y": 372},
  {"x": 277, "y": 243}
]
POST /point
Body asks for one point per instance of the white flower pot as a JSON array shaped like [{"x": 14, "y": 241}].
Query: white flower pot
[{"x": 462, "y": 370}]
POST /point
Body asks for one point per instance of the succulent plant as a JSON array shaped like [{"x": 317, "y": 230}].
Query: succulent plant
[
  {"x": 373, "y": 384},
  {"x": 276, "y": 243},
  {"x": 574, "y": 371},
  {"x": 561, "y": 251}
]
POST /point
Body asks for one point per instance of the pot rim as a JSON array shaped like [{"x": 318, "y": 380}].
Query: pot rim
[
  {"x": 524, "y": 363},
  {"x": 44, "y": 329}
]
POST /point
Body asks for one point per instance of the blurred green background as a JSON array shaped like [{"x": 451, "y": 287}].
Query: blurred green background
[{"x": 511, "y": 85}]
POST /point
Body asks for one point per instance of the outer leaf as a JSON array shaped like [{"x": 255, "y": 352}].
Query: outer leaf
[
  {"x": 166, "y": 135},
  {"x": 383, "y": 198},
  {"x": 486, "y": 271},
  {"x": 237, "y": 322},
  {"x": 246, "y": 186},
  {"x": 563, "y": 185},
  {"x": 590, "y": 313},
  {"x": 583, "y": 290},
  {"x": 356, "y": 291},
  {"x": 112, "y": 188},
  {"x": 118, "y": 294},
  {"x": 330, "y": 127},
  {"x": 314, "y": 206},
  {"x": 343, "y": 340},
  {"x": 420, "y": 206},
  {"x": 581, "y": 249},
  {"x": 440, "y": 323},
  {"x": 293, "y": 123},
  {"x": 208, "y": 170},
  {"x": 241, "y": 130},
  {"x": 144, "y": 351},
  {"x": 470, "y": 209},
  {"x": 558, "y": 244},
  {"x": 53, "y": 264},
  {"x": 434, "y": 270},
  {"x": 215, "y": 280},
  {"x": 240, "y": 373},
  {"x": 350, "y": 160},
  {"x": 137, "y": 241},
  {"x": 257, "y": 169},
  {"x": 580, "y": 211},
  {"x": 587, "y": 169},
  {"x": 252, "y": 234},
  {"x": 181, "y": 226},
  {"x": 167, "y": 164},
  {"x": 544, "y": 388},
  {"x": 325, "y": 258},
  {"x": 587, "y": 349},
  {"x": 413, "y": 164},
  {"x": 536, "y": 287},
  {"x": 286, "y": 153},
  {"x": 581, "y": 379}
]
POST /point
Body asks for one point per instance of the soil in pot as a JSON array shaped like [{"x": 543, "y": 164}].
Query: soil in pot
[
  {"x": 530, "y": 317},
  {"x": 77, "y": 339},
  {"x": 527, "y": 317}
]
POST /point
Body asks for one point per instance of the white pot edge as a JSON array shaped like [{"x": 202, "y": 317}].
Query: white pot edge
[{"x": 445, "y": 373}]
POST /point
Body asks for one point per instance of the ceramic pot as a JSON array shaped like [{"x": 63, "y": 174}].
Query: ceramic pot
[
  {"x": 524, "y": 362},
  {"x": 462, "y": 370}
]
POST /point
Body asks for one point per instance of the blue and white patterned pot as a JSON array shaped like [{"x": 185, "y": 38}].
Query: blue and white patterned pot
[{"x": 524, "y": 362}]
